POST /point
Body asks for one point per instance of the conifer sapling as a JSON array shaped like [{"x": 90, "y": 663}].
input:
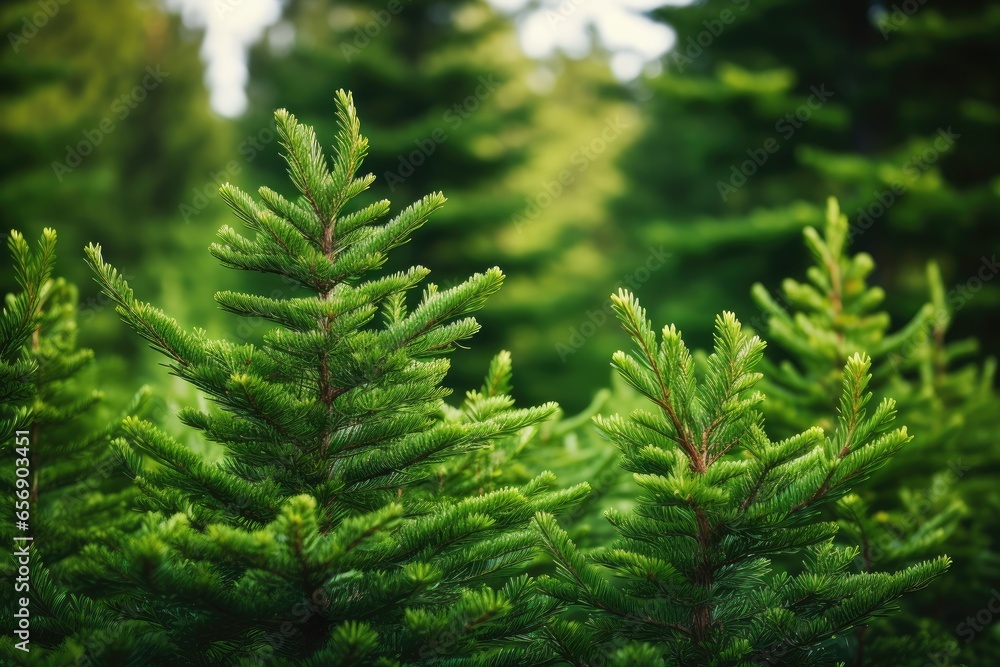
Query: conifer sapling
[
  {"x": 320, "y": 536},
  {"x": 694, "y": 582},
  {"x": 907, "y": 514},
  {"x": 60, "y": 479}
]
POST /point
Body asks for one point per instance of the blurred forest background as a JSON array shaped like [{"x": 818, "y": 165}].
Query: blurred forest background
[{"x": 687, "y": 182}]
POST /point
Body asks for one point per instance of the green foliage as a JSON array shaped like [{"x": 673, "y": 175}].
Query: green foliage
[
  {"x": 441, "y": 88},
  {"x": 825, "y": 321},
  {"x": 322, "y": 499},
  {"x": 321, "y": 536},
  {"x": 742, "y": 148},
  {"x": 88, "y": 115},
  {"x": 502, "y": 462},
  {"x": 72, "y": 495},
  {"x": 948, "y": 399},
  {"x": 18, "y": 323},
  {"x": 695, "y": 583},
  {"x": 451, "y": 102},
  {"x": 465, "y": 116}
]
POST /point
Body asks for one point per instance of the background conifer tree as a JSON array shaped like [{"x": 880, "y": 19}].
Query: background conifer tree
[
  {"x": 879, "y": 138},
  {"x": 945, "y": 394},
  {"x": 823, "y": 322},
  {"x": 719, "y": 501},
  {"x": 74, "y": 494},
  {"x": 439, "y": 117},
  {"x": 502, "y": 462},
  {"x": 316, "y": 538},
  {"x": 110, "y": 164}
]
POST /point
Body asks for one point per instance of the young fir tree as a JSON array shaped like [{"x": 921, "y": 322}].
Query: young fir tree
[
  {"x": 951, "y": 404},
  {"x": 319, "y": 537},
  {"x": 18, "y": 322},
  {"x": 72, "y": 494},
  {"x": 499, "y": 464},
  {"x": 696, "y": 585}
]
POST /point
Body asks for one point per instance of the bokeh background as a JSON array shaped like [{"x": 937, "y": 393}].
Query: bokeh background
[{"x": 676, "y": 148}]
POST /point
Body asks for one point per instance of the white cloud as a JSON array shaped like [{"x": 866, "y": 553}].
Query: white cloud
[
  {"x": 231, "y": 26},
  {"x": 567, "y": 26}
]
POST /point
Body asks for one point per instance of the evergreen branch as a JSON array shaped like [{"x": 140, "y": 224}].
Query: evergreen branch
[
  {"x": 633, "y": 319},
  {"x": 148, "y": 322}
]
